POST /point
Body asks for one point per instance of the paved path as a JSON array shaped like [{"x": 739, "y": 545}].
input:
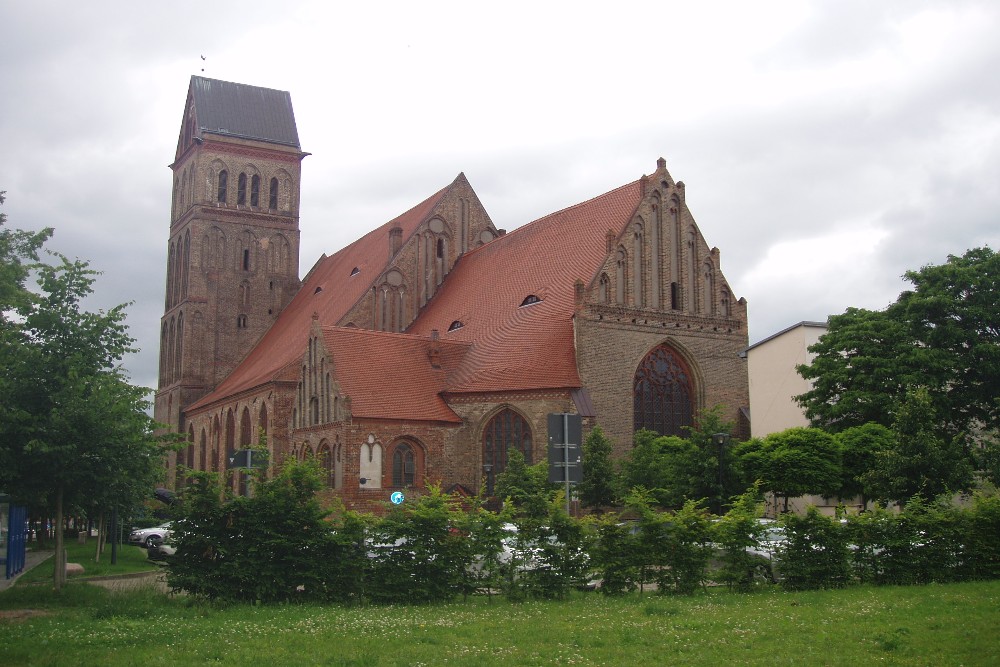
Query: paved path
[
  {"x": 31, "y": 559},
  {"x": 155, "y": 578}
]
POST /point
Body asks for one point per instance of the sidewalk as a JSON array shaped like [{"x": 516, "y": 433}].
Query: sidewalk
[{"x": 31, "y": 559}]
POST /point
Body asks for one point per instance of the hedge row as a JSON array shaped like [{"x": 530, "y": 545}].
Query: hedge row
[{"x": 279, "y": 545}]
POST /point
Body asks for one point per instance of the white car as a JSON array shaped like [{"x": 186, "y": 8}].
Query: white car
[{"x": 150, "y": 537}]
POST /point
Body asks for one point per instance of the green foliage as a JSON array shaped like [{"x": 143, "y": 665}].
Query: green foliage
[
  {"x": 423, "y": 551},
  {"x": 597, "y": 488},
  {"x": 987, "y": 456},
  {"x": 925, "y": 542},
  {"x": 943, "y": 335},
  {"x": 815, "y": 553},
  {"x": 920, "y": 460},
  {"x": 615, "y": 555},
  {"x": 686, "y": 550},
  {"x": 272, "y": 547},
  {"x": 676, "y": 470},
  {"x": 794, "y": 462},
  {"x": 735, "y": 534},
  {"x": 982, "y": 535},
  {"x": 526, "y": 487},
  {"x": 73, "y": 431},
  {"x": 549, "y": 556},
  {"x": 860, "y": 446}
]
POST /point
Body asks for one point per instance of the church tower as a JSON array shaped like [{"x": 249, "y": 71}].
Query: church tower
[{"x": 233, "y": 252}]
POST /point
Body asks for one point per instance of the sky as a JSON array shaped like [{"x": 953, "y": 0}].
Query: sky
[{"x": 827, "y": 147}]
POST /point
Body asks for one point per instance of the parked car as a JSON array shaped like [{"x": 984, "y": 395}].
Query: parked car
[{"x": 146, "y": 537}]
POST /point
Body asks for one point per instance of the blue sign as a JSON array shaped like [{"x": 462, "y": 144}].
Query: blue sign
[{"x": 396, "y": 497}]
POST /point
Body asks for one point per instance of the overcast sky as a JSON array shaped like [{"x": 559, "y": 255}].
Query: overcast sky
[{"x": 827, "y": 147}]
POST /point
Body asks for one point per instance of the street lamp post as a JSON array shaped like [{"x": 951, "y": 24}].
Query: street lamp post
[
  {"x": 720, "y": 440},
  {"x": 488, "y": 469}
]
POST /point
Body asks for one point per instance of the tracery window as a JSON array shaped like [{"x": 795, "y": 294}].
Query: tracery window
[
  {"x": 403, "y": 465},
  {"x": 506, "y": 430},
  {"x": 662, "y": 393}
]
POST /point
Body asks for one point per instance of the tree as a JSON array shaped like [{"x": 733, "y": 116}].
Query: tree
[
  {"x": 527, "y": 487},
  {"x": 919, "y": 460},
  {"x": 72, "y": 428},
  {"x": 944, "y": 335},
  {"x": 795, "y": 462},
  {"x": 678, "y": 469},
  {"x": 860, "y": 446},
  {"x": 597, "y": 486}
]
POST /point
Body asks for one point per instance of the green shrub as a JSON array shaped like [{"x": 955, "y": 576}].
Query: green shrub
[
  {"x": 686, "y": 550},
  {"x": 734, "y": 535},
  {"x": 274, "y": 546},
  {"x": 814, "y": 553},
  {"x": 982, "y": 537},
  {"x": 614, "y": 556}
]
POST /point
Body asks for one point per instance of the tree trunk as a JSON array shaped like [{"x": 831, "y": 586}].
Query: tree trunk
[
  {"x": 100, "y": 538},
  {"x": 59, "y": 573}
]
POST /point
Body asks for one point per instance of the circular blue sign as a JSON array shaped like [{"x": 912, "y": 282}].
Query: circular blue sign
[{"x": 396, "y": 497}]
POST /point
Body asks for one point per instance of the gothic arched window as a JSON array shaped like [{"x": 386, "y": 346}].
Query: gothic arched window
[
  {"x": 272, "y": 199},
  {"x": 255, "y": 190},
  {"x": 241, "y": 189},
  {"x": 662, "y": 393},
  {"x": 506, "y": 430},
  {"x": 326, "y": 462},
  {"x": 223, "y": 185},
  {"x": 403, "y": 465}
]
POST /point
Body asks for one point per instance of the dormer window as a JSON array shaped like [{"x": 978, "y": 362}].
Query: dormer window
[
  {"x": 531, "y": 299},
  {"x": 318, "y": 290},
  {"x": 355, "y": 271},
  {"x": 457, "y": 324}
]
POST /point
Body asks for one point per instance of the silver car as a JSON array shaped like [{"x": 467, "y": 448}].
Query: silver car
[{"x": 150, "y": 537}]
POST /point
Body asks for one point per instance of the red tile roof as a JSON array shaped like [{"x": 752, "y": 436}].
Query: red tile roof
[
  {"x": 390, "y": 376},
  {"x": 330, "y": 291},
  {"x": 518, "y": 347},
  {"x": 502, "y": 345}
]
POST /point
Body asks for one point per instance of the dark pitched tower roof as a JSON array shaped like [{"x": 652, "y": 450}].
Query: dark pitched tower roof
[{"x": 246, "y": 112}]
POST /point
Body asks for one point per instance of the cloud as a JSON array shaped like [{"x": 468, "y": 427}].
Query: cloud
[{"x": 826, "y": 148}]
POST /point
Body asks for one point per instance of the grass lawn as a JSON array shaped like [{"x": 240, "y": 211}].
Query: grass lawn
[
  {"x": 130, "y": 559},
  {"x": 954, "y": 624}
]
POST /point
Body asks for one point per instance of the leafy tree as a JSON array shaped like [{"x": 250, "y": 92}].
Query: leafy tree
[
  {"x": 72, "y": 428},
  {"x": 988, "y": 460},
  {"x": 643, "y": 467},
  {"x": 860, "y": 446},
  {"x": 944, "y": 335},
  {"x": 678, "y": 469},
  {"x": 273, "y": 546},
  {"x": 597, "y": 488},
  {"x": 920, "y": 459},
  {"x": 795, "y": 462},
  {"x": 526, "y": 487}
]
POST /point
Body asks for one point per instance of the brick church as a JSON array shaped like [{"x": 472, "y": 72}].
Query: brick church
[{"x": 428, "y": 348}]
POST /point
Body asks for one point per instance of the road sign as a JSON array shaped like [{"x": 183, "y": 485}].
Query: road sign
[
  {"x": 397, "y": 497},
  {"x": 565, "y": 437}
]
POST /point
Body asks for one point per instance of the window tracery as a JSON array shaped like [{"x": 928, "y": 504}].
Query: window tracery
[
  {"x": 662, "y": 393},
  {"x": 504, "y": 431}
]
